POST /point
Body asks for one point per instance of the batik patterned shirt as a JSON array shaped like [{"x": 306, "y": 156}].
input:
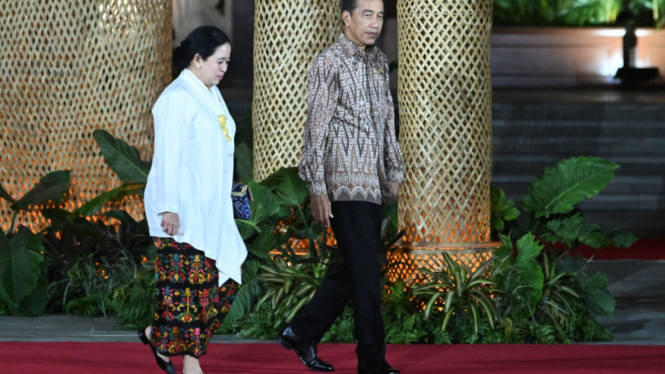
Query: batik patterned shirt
[{"x": 349, "y": 139}]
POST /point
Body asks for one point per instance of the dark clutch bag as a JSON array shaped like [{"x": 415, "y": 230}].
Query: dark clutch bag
[{"x": 241, "y": 196}]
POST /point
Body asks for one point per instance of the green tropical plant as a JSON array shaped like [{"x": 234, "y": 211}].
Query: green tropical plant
[
  {"x": 550, "y": 208},
  {"x": 459, "y": 292},
  {"x": 566, "y": 184},
  {"x": 132, "y": 296},
  {"x": 92, "y": 264},
  {"x": 126, "y": 163},
  {"x": 20, "y": 267},
  {"x": 592, "y": 12},
  {"x": 51, "y": 188},
  {"x": 518, "y": 270},
  {"x": 646, "y": 13},
  {"x": 502, "y": 211},
  {"x": 23, "y": 284},
  {"x": 534, "y": 265},
  {"x": 539, "y": 293},
  {"x": 546, "y": 301},
  {"x": 123, "y": 159},
  {"x": 293, "y": 280}
]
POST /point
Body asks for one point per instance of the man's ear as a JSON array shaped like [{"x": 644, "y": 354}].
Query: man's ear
[{"x": 346, "y": 18}]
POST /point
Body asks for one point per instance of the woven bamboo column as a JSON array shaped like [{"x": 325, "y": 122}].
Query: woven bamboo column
[
  {"x": 68, "y": 68},
  {"x": 445, "y": 98},
  {"x": 288, "y": 36}
]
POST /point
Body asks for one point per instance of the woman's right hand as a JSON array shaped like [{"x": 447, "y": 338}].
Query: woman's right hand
[{"x": 170, "y": 223}]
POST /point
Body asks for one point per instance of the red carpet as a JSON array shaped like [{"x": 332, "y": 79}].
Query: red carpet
[
  {"x": 643, "y": 249},
  {"x": 134, "y": 358}
]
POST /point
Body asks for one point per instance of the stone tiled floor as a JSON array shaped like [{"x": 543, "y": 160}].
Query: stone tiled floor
[
  {"x": 639, "y": 289},
  {"x": 75, "y": 329},
  {"x": 638, "y": 286},
  {"x": 604, "y": 95}
]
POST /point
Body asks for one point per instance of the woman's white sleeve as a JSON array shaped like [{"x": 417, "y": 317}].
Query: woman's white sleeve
[{"x": 172, "y": 122}]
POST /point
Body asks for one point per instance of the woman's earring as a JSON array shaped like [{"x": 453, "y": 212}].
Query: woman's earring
[{"x": 198, "y": 67}]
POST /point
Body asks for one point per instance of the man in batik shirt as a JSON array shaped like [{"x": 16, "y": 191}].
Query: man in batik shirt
[{"x": 353, "y": 164}]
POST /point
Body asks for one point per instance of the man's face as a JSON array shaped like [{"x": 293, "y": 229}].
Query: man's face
[{"x": 364, "y": 25}]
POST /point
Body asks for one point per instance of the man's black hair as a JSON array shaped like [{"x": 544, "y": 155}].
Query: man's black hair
[{"x": 349, "y": 5}]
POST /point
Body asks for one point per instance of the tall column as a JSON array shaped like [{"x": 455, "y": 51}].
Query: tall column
[
  {"x": 289, "y": 34},
  {"x": 66, "y": 69},
  {"x": 445, "y": 101}
]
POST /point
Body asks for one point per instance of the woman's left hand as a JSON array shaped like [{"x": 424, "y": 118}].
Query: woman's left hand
[{"x": 170, "y": 223}]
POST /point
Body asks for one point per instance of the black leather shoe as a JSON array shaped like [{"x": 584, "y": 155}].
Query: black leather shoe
[
  {"x": 306, "y": 353},
  {"x": 167, "y": 366},
  {"x": 376, "y": 368}
]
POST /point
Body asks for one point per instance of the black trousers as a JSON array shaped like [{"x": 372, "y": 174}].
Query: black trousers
[{"x": 357, "y": 227}]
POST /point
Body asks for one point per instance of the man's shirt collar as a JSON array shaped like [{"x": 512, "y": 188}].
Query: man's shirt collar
[{"x": 351, "y": 49}]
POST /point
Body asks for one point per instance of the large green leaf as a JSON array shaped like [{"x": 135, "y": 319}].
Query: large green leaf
[
  {"x": 504, "y": 255},
  {"x": 567, "y": 183},
  {"x": 5, "y": 195},
  {"x": 621, "y": 238},
  {"x": 244, "y": 301},
  {"x": 533, "y": 274},
  {"x": 266, "y": 242},
  {"x": 244, "y": 162},
  {"x": 57, "y": 217},
  {"x": 51, "y": 187},
  {"x": 263, "y": 205},
  {"x": 35, "y": 304},
  {"x": 571, "y": 230},
  {"x": 597, "y": 281},
  {"x": 566, "y": 230},
  {"x": 123, "y": 159},
  {"x": 286, "y": 184},
  {"x": 121, "y": 216},
  {"x": 599, "y": 300},
  {"x": 20, "y": 264},
  {"x": 247, "y": 294},
  {"x": 95, "y": 205},
  {"x": 502, "y": 211},
  {"x": 595, "y": 239},
  {"x": 527, "y": 250}
]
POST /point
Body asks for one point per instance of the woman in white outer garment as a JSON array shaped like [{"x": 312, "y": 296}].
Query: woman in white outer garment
[{"x": 188, "y": 205}]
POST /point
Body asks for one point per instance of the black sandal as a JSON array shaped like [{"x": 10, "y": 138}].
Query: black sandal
[{"x": 167, "y": 366}]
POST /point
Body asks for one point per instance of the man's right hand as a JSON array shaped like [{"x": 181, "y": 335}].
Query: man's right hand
[{"x": 321, "y": 210}]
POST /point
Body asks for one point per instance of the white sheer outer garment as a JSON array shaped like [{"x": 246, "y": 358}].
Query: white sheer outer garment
[{"x": 192, "y": 173}]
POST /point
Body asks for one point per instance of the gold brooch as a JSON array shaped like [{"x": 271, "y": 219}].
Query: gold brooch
[
  {"x": 222, "y": 123},
  {"x": 379, "y": 70}
]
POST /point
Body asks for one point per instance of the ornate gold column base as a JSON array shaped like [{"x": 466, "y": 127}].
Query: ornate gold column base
[{"x": 407, "y": 259}]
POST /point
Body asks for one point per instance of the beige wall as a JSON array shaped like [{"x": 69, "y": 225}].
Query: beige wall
[
  {"x": 190, "y": 14},
  {"x": 651, "y": 49},
  {"x": 568, "y": 56}
]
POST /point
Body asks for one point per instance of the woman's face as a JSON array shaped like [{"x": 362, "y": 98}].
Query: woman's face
[{"x": 211, "y": 70}]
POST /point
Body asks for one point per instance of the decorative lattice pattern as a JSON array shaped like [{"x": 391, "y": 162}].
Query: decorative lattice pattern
[
  {"x": 68, "y": 68},
  {"x": 445, "y": 97},
  {"x": 405, "y": 265},
  {"x": 288, "y": 36}
]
